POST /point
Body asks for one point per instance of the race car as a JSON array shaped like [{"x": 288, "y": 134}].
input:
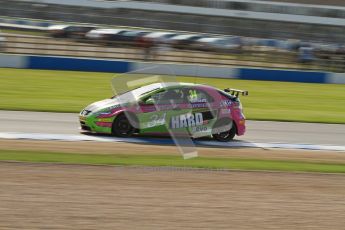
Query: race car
[{"x": 168, "y": 109}]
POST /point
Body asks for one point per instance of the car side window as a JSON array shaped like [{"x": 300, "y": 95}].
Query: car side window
[
  {"x": 198, "y": 96},
  {"x": 167, "y": 97}
]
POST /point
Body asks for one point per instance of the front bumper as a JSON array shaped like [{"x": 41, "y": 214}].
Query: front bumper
[
  {"x": 83, "y": 125},
  {"x": 96, "y": 125}
]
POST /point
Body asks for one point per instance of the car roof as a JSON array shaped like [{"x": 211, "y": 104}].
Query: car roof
[
  {"x": 150, "y": 89},
  {"x": 57, "y": 27},
  {"x": 158, "y": 34},
  {"x": 130, "y": 32},
  {"x": 185, "y": 36},
  {"x": 210, "y": 39},
  {"x": 106, "y": 31},
  {"x": 182, "y": 84}
]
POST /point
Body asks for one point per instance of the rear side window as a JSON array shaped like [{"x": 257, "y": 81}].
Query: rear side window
[{"x": 228, "y": 96}]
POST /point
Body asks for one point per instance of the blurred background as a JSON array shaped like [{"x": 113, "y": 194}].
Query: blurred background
[
  {"x": 221, "y": 40},
  {"x": 288, "y": 34}
]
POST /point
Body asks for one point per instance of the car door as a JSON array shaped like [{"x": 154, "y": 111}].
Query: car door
[
  {"x": 203, "y": 110},
  {"x": 159, "y": 109}
]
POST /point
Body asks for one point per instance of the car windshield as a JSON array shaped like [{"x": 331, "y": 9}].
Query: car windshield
[{"x": 136, "y": 93}]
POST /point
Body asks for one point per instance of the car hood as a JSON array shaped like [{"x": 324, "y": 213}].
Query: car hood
[
  {"x": 108, "y": 103},
  {"x": 98, "y": 105}
]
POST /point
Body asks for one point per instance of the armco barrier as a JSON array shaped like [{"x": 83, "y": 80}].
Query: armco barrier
[{"x": 118, "y": 66}]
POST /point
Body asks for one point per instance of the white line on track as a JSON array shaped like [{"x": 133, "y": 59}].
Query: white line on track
[
  {"x": 72, "y": 137},
  {"x": 257, "y": 131}
]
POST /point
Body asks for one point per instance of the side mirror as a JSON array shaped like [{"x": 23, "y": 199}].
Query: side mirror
[
  {"x": 141, "y": 103},
  {"x": 149, "y": 101}
]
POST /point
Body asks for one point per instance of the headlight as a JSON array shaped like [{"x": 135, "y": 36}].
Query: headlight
[
  {"x": 85, "y": 112},
  {"x": 102, "y": 113}
]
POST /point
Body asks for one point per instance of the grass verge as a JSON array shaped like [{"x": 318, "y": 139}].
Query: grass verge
[
  {"x": 172, "y": 161},
  {"x": 70, "y": 91}
]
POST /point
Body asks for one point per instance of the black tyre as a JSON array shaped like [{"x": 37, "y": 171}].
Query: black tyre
[
  {"x": 224, "y": 130},
  {"x": 122, "y": 126}
]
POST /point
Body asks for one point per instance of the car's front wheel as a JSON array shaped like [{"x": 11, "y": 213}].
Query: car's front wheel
[
  {"x": 122, "y": 127},
  {"x": 224, "y": 130}
]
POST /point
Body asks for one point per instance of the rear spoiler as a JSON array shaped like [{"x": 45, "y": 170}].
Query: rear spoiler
[{"x": 236, "y": 92}]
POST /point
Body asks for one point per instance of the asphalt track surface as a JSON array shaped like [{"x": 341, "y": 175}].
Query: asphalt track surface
[{"x": 257, "y": 131}]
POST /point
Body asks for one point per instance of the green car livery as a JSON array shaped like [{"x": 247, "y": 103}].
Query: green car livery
[{"x": 168, "y": 109}]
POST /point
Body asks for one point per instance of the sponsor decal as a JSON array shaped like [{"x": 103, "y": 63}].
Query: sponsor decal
[
  {"x": 171, "y": 107},
  {"x": 225, "y": 103},
  {"x": 198, "y": 100},
  {"x": 104, "y": 119},
  {"x": 199, "y": 129},
  {"x": 156, "y": 120},
  {"x": 166, "y": 107},
  {"x": 186, "y": 120},
  {"x": 225, "y": 111},
  {"x": 199, "y": 105},
  {"x": 104, "y": 124},
  {"x": 108, "y": 112},
  {"x": 114, "y": 107}
]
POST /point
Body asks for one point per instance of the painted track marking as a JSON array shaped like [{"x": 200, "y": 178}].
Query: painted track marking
[{"x": 167, "y": 141}]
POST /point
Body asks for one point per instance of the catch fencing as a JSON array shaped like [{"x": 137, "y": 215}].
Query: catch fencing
[{"x": 251, "y": 56}]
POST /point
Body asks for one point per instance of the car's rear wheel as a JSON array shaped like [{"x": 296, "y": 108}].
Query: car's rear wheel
[
  {"x": 224, "y": 130},
  {"x": 122, "y": 126}
]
